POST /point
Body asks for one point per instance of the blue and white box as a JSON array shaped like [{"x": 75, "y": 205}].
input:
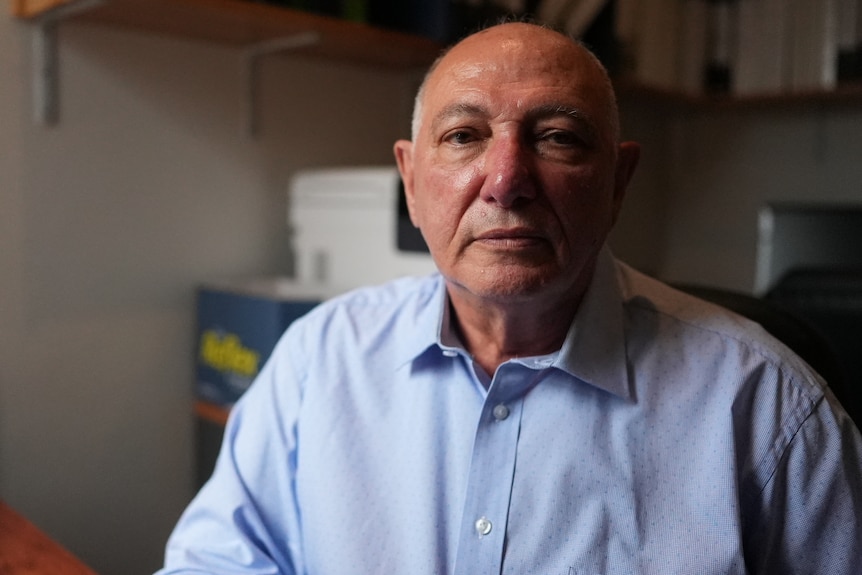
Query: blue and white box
[{"x": 238, "y": 327}]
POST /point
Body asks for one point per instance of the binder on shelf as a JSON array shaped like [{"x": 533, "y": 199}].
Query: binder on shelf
[
  {"x": 553, "y": 12},
  {"x": 849, "y": 63},
  {"x": 858, "y": 67},
  {"x": 626, "y": 25},
  {"x": 691, "y": 57},
  {"x": 762, "y": 62},
  {"x": 444, "y": 21},
  {"x": 814, "y": 45},
  {"x": 657, "y": 43},
  {"x": 591, "y": 21},
  {"x": 581, "y": 16},
  {"x": 720, "y": 43},
  {"x": 600, "y": 38},
  {"x": 511, "y": 7}
]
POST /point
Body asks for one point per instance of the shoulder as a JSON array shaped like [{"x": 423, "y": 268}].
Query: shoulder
[
  {"x": 726, "y": 365},
  {"x": 739, "y": 363},
  {"x": 739, "y": 321},
  {"x": 410, "y": 295},
  {"x": 650, "y": 296},
  {"x": 389, "y": 318}
]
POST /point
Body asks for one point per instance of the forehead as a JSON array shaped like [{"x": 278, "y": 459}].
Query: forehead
[{"x": 518, "y": 65}]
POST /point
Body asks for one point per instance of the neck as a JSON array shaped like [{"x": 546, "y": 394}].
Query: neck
[{"x": 494, "y": 332}]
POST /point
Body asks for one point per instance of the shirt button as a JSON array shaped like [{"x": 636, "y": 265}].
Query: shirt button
[
  {"x": 501, "y": 412},
  {"x": 483, "y": 526}
]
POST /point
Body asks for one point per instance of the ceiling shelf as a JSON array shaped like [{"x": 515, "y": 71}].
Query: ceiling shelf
[
  {"x": 254, "y": 25},
  {"x": 244, "y": 24}
]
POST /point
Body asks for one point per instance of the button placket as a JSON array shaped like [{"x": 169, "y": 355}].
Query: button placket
[{"x": 492, "y": 468}]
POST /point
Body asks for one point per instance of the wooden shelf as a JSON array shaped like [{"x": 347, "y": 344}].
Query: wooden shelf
[
  {"x": 245, "y": 23},
  {"x": 844, "y": 95}
]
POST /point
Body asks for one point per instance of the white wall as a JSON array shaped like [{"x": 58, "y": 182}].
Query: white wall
[
  {"x": 725, "y": 165},
  {"x": 108, "y": 221},
  {"x": 638, "y": 237},
  {"x": 691, "y": 213}
]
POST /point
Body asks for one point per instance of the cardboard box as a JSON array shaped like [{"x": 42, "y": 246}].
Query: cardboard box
[{"x": 238, "y": 325}]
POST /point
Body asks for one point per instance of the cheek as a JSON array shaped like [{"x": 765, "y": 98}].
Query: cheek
[
  {"x": 443, "y": 198},
  {"x": 591, "y": 188},
  {"x": 585, "y": 208}
]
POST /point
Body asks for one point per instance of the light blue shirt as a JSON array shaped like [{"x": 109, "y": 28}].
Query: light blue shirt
[{"x": 665, "y": 437}]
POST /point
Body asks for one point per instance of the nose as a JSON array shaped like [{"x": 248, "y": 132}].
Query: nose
[{"x": 508, "y": 173}]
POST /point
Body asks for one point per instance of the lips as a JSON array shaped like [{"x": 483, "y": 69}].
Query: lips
[{"x": 510, "y": 237}]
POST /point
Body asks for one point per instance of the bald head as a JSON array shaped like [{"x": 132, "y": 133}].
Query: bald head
[
  {"x": 515, "y": 174},
  {"x": 539, "y": 45}
]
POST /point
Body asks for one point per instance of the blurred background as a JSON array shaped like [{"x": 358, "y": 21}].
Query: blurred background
[{"x": 147, "y": 186}]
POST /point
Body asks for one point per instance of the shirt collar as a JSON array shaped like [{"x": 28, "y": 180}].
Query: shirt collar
[
  {"x": 429, "y": 315},
  {"x": 594, "y": 348}
]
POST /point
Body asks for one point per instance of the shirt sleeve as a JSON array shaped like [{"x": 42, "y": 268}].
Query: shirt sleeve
[
  {"x": 810, "y": 519},
  {"x": 245, "y": 519}
]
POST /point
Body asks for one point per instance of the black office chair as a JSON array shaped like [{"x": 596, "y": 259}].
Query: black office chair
[
  {"x": 830, "y": 299},
  {"x": 800, "y": 335}
]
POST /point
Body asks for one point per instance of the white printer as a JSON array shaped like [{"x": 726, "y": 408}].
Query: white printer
[{"x": 350, "y": 228}]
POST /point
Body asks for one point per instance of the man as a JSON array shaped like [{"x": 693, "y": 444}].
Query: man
[{"x": 537, "y": 407}]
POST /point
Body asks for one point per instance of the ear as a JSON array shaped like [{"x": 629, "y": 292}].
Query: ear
[
  {"x": 628, "y": 155},
  {"x": 403, "y": 150}
]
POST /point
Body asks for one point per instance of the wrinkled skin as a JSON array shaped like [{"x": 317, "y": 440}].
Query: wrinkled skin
[{"x": 515, "y": 177}]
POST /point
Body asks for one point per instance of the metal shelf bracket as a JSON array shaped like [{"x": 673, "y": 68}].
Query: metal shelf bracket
[
  {"x": 251, "y": 75},
  {"x": 45, "y": 74},
  {"x": 46, "y": 90}
]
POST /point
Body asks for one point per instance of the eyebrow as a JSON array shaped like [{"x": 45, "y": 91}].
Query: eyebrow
[
  {"x": 553, "y": 110},
  {"x": 458, "y": 110},
  {"x": 546, "y": 110},
  {"x": 550, "y": 110}
]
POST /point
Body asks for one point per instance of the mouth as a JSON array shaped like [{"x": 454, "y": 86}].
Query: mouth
[{"x": 510, "y": 238}]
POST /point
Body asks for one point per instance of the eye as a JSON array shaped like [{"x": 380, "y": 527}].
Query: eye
[
  {"x": 564, "y": 138},
  {"x": 460, "y": 137},
  {"x": 561, "y": 144}
]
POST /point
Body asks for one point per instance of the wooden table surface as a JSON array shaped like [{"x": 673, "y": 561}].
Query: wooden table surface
[{"x": 24, "y": 550}]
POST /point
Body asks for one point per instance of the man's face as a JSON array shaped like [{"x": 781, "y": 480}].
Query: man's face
[{"x": 513, "y": 176}]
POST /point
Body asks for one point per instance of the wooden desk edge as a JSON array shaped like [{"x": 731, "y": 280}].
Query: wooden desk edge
[{"x": 25, "y": 550}]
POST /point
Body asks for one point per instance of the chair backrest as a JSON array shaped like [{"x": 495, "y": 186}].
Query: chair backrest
[
  {"x": 789, "y": 327},
  {"x": 830, "y": 299}
]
